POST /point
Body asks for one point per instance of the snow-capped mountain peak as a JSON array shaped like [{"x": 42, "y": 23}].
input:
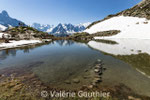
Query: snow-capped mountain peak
[
  {"x": 42, "y": 27},
  {"x": 4, "y": 13},
  {"x": 7, "y": 21},
  {"x": 84, "y": 24}
]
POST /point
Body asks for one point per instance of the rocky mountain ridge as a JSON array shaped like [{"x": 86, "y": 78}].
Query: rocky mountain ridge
[{"x": 61, "y": 29}]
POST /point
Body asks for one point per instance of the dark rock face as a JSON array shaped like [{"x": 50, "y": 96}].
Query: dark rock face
[
  {"x": 141, "y": 10},
  {"x": 7, "y": 21}
]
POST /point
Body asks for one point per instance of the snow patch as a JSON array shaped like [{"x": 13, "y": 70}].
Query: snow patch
[
  {"x": 5, "y": 35},
  {"x": 13, "y": 44},
  {"x": 130, "y": 27},
  {"x": 2, "y": 28}
]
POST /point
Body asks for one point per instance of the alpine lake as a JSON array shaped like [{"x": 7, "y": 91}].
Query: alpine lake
[{"x": 121, "y": 67}]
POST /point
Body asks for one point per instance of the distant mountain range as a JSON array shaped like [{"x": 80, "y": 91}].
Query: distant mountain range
[
  {"x": 60, "y": 29},
  {"x": 7, "y": 21}
]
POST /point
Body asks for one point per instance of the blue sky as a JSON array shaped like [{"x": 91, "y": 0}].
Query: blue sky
[{"x": 63, "y": 11}]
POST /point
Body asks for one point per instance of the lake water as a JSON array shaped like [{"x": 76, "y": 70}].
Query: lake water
[{"x": 62, "y": 60}]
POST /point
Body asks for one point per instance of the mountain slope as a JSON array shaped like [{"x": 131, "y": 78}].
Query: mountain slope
[
  {"x": 7, "y": 21},
  {"x": 132, "y": 23},
  {"x": 61, "y": 29}
]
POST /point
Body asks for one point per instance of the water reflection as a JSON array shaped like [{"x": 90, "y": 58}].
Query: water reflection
[
  {"x": 5, "y": 53},
  {"x": 63, "y": 42},
  {"x": 13, "y": 51},
  {"x": 122, "y": 46}
]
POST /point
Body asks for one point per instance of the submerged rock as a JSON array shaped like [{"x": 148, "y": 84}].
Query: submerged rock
[
  {"x": 98, "y": 66},
  {"x": 86, "y": 70},
  {"x": 104, "y": 68},
  {"x": 99, "y": 60},
  {"x": 2, "y": 75},
  {"x": 97, "y": 80},
  {"x": 98, "y": 76},
  {"x": 96, "y": 70},
  {"x": 67, "y": 82},
  {"x": 76, "y": 80},
  {"x": 85, "y": 77},
  {"x": 94, "y": 83},
  {"x": 90, "y": 87}
]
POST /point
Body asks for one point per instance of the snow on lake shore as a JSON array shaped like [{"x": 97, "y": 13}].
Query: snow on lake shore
[
  {"x": 2, "y": 28},
  {"x": 13, "y": 44},
  {"x": 5, "y": 35},
  {"x": 124, "y": 46},
  {"x": 130, "y": 27},
  {"x": 1, "y": 34}
]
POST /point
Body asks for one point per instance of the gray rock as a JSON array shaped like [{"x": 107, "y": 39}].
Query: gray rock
[
  {"x": 86, "y": 70},
  {"x": 104, "y": 68},
  {"x": 98, "y": 66},
  {"x": 97, "y": 80},
  {"x": 96, "y": 70},
  {"x": 99, "y": 60},
  {"x": 90, "y": 86},
  {"x": 76, "y": 80},
  {"x": 98, "y": 76},
  {"x": 85, "y": 77},
  {"x": 67, "y": 82},
  {"x": 94, "y": 83}
]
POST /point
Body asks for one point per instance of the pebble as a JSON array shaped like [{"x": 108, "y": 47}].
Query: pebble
[
  {"x": 86, "y": 70},
  {"x": 76, "y": 80},
  {"x": 100, "y": 73},
  {"x": 96, "y": 70},
  {"x": 2, "y": 75},
  {"x": 85, "y": 77},
  {"x": 99, "y": 60},
  {"x": 67, "y": 82},
  {"x": 97, "y": 80},
  {"x": 84, "y": 86},
  {"x": 104, "y": 68},
  {"x": 97, "y": 76},
  {"x": 90, "y": 87},
  {"x": 94, "y": 84},
  {"x": 97, "y": 66},
  {"x": 132, "y": 98}
]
